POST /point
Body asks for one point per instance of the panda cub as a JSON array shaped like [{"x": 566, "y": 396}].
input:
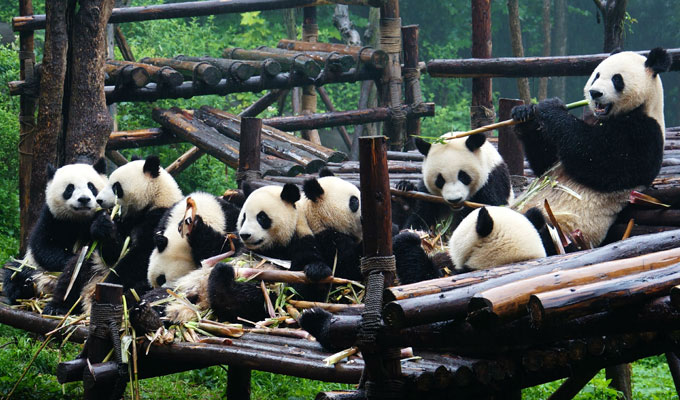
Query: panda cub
[
  {"x": 594, "y": 168},
  {"x": 463, "y": 169},
  {"x": 144, "y": 191},
  {"x": 180, "y": 250},
  {"x": 62, "y": 228}
]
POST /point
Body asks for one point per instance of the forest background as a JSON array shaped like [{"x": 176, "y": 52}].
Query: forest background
[{"x": 445, "y": 32}]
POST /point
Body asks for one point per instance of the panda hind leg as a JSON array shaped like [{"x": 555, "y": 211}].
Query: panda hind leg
[
  {"x": 412, "y": 263},
  {"x": 230, "y": 299},
  {"x": 17, "y": 284},
  {"x": 59, "y": 305}
]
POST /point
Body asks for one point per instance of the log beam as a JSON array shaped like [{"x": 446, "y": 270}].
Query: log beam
[{"x": 481, "y": 106}]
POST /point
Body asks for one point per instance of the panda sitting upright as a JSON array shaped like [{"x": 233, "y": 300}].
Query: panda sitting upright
[
  {"x": 463, "y": 169},
  {"x": 63, "y": 227},
  {"x": 594, "y": 168},
  {"x": 143, "y": 190}
]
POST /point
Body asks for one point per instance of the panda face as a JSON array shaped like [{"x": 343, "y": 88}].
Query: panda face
[
  {"x": 492, "y": 236},
  {"x": 138, "y": 185},
  {"x": 457, "y": 169},
  {"x": 72, "y": 190},
  {"x": 332, "y": 203},
  {"x": 622, "y": 83},
  {"x": 269, "y": 217}
]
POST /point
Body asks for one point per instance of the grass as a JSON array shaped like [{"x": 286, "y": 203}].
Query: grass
[{"x": 651, "y": 378}]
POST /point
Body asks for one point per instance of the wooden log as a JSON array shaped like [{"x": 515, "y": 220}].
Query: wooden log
[
  {"x": 140, "y": 138},
  {"x": 562, "y": 303},
  {"x": 261, "y": 104},
  {"x": 89, "y": 122},
  {"x": 509, "y": 301},
  {"x": 122, "y": 44},
  {"x": 321, "y": 152},
  {"x": 412, "y": 94},
  {"x": 511, "y": 67},
  {"x": 289, "y": 62},
  {"x": 32, "y": 322},
  {"x": 481, "y": 106},
  {"x": 184, "y": 161},
  {"x": 373, "y": 57},
  {"x": 616, "y": 231},
  {"x": 674, "y": 366},
  {"x": 152, "y": 92},
  {"x": 191, "y": 9},
  {"x": 335, "y": 62},
  {"x": 404, "y": 155},
  {"x": 509, "y": 145},
  {"x": 450, "y": 304},
  {"x": 232, "y": 129},
  {"x": 249, "y": 149},
  {"x": 127, "y": 75},
  {"x": 267, "y": 68},
  {"x": 234, "y": 68},
  {"x": 329, "y": 106},
  {"x": 354, "y": 117},
  {"x": 212, "y": 142},
  {"x": 658, "y": 217},
  {"x": 160, "y": 75},
  {"x": 196, "y": 71},
  {"x": 390, "y": 91},
  {"x": 116, "y": 157}
]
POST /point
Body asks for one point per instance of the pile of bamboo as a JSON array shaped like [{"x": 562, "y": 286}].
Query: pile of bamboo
[{"x": 523, "y": 324}]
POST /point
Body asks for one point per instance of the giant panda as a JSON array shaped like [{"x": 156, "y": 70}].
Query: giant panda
[
  {"x": 593, "y": 168},
  {"x": 144, "y": 191},
  {"x": 62, "y": 228},
  {"x": 177, "y": 253},
  {"x": 462, "y": 169}
]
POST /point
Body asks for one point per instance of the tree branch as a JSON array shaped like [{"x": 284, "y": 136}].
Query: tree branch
[{"x": 600, "y": 6}]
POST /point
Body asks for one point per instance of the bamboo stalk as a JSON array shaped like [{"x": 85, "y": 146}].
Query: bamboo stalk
[
  {"x": 330, "y": 307},
  {"x": 432, "y": 198}
]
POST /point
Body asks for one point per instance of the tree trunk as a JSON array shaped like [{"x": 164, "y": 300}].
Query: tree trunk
[
  {"x": 543, "y": 82},
  {"x": 345, "y": 25},
  {"x": 310, "y": 33},
  {"x": 89, "y": 123},
  {"x": 50, "y": 130},
  {"x": 481, "y": 108},
  {"x": 518, "y": 48},
  {"x": 613, "y": 14},
  {"x": 291, "y": 33},
  {"x": 560, "y": 41}
]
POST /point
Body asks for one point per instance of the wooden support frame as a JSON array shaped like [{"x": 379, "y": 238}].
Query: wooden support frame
[
  {"x": 390, "y": 88},
  {"x": 249, "y": 149},
  {"x": 509, "y": 145},
  {"x": 411, "y": 73},
  {"x": 481, "y": 107}
]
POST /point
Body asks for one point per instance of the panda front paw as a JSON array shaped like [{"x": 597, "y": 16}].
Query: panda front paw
[
  {"x": 53, "y": 309},
  {"x": 102, "y": 227},
  {"x": 317, "y": 271},
  {"x": 523, "y": 113},
  {"x": 550, "y": 104},
  {"x": 406, "y": 185}
]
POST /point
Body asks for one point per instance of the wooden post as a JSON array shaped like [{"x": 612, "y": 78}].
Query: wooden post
[
  {"x": 310, "y": 33},
  {"x": 570, "y": 388},
  {"x": 390, "y": 92},
  {"x": 96, "y": 347},
  {"x": 412, "y": 91},
  {"x": 621, "y": 376},
  {"x": 481, "y": 109},
  {"x": 508, "y": 144},
  {"x": 26, "y": 127},
  {"x": 238, "y": 383},
  {"x": 249, "y": 149}
]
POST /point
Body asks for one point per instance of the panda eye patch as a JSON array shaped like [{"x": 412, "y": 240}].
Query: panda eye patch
[
  {"x": 595, "y": 78},
  {"x": 617, "y": 80},
  {"x": 464, "y": 178},
  {"x": 243, "y": 219},
  {"x": 354, "y": 203},
  {"x": 264, "y": 220},
  {"x": 92, "y": 188},
  {"x": 118, "y": 190},
  {"x": 440, "y": 181},
  {"x": 68, "y": 192}
]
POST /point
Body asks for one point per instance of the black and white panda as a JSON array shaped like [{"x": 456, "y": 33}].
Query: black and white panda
[
  {"x": 62, "y": 228},
  {"x": 144, "y": 191},
  {"x": 463, "y": 169},
  {"x": 593, "y": 168},
  {"x": 180, "y": 250}
]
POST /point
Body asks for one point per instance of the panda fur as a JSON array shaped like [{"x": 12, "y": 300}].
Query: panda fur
[
  {"x": 463, "y": 169},
  {"x": 144, "y": 191},
  {"x": 176, "y": 255},
  {"x": 61, "y": 229},
  {"x": 602, "y": 163}
]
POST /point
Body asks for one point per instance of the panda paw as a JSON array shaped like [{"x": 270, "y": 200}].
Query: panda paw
[
  {"x": 102, "y": 227},
  {"x": 550, "y": 104},
  {"x": 317, "y": 271},
  {"x": 53, "y": 309},
  {"x": 406, "y": 185},
  {"x": 523, "y": 113}
]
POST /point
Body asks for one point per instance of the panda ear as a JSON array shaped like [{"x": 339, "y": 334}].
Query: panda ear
[
  {"x": 135, "y": 157},
  {"x": 290, "y": 193},
  {"x": 475, "y": 141},
  {"x": 325, "y": 172},
  {"x": 152, "y": 166},
  {"x": 100, "y": 166},
  {"x": 247, "y": 189},
  {"x": 422, "y": 146},
  {"x": 535, "y": 216},
  {"x": 312, "y": 189},
  {"x": 50, "y": 171},
  {"x": 658, "y": 60},
  {"x": 484, "y": 223}
]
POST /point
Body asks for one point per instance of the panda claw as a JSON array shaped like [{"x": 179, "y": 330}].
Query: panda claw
[
  {"x": 405, "y": 186},
  {"x": 523, "y": 113}
]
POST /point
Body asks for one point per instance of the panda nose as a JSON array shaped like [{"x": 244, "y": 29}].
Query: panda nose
[
  {"x": 244, "y": 236},
  {"x": 595, "y": 94},
  {"x": 84, "y": 200},
  {"x": 160, "y": 280},
  {"x": 100, "y": 201}
]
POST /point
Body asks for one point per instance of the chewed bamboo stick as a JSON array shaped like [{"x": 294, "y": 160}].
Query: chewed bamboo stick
[
  {"x": 431, "y": 198},
  {"x": 272, "y": 275},
  {"x": 330, "y": 307}
]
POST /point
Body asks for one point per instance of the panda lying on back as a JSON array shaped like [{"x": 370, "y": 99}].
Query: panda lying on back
[
  {"x": 464, "y": 169},
  {"x": 63, "y": 227},
  {"x": 604, "y": 162}
]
